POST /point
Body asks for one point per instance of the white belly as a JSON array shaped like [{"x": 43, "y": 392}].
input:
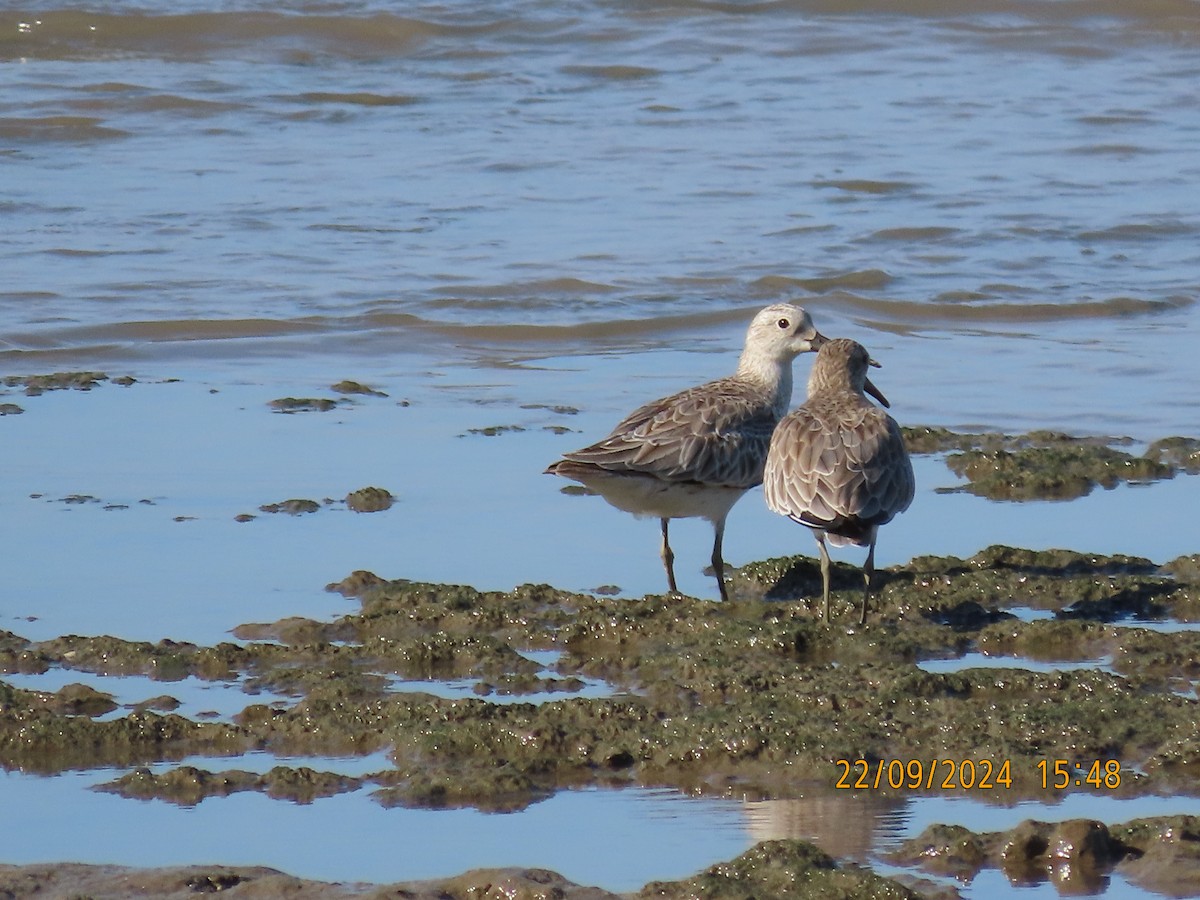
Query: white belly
[{"x": 644, "y": 495}]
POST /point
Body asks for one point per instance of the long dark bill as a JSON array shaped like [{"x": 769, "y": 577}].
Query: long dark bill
[{"x": 877, "y": 394}]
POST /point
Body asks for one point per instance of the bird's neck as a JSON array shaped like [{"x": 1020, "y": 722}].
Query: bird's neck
[
  {"x": 824, "y": 379},
  {"x": 772, "y": 374}
]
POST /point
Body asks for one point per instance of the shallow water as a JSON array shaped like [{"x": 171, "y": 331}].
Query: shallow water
[
  {"x": 471, "y": 509},
  {"x": 983, "y": 661},
  {"x": 489, "y": 211},
  {"x": 982, "y": 194},
  {"x": 351, "y": 838}
]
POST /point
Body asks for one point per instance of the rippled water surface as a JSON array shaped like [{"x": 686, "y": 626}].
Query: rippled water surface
[
  {"x": 492, "y": 211},
  {"x": 982, "y": 192}
]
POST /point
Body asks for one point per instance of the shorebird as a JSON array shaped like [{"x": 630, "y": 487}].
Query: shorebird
[
  {"x": 837, "y": 463},
  {"x": 695, "y": 453}
]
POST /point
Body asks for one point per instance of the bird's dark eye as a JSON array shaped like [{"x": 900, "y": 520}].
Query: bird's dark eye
[{"x": 784, "y": 323}]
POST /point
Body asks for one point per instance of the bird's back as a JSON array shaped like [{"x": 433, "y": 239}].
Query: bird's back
[
  {"x": 839, "y": 463},
  {"x": 713, "y": 434}
]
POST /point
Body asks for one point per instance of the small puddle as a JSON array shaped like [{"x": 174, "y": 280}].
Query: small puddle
[
  {"x": 1029, "y": 614},
  {"x": 655, "y": 834},
  {"x": 976, "y": 660}
]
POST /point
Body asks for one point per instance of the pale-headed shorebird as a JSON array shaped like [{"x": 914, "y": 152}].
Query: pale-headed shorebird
[
  {"x": 838, "y": 463},
  {"x": 695, "y": 453}
]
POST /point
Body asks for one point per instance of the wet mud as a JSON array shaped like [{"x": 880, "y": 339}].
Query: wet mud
[
  {"x": 756, "y": 697},
  {"x": 347, "y": 390},
  {"x": 289, "y": 405},
  {"x": 1048, "y": 465},
  {"x": 364, "y": 500},
  {"x": 295, "y": 507},
  {"x": 771, "y": 869},
  {"x": 1077, "y": 856},
  {"x": 354, "y": 387},
  {"x": 34, "y": 385},
  {"x": 370, "y": 499}
]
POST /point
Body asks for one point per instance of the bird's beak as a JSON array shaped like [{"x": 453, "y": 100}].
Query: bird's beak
[
  {"x": 817, "y": 341},
  {"x": 874, "y": 362},
  {"x": 876, "y": 393}
]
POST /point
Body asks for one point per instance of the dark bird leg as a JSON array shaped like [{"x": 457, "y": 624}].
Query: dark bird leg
[
  {"x": 718, "y": 561},
  {"x": 868, "y": 571},
  {"x": 668, "y": 558},
  {"x": 820, "y": 536}
]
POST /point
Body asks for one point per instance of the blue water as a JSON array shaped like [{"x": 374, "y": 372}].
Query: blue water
[{"x": 491, "y": 210}]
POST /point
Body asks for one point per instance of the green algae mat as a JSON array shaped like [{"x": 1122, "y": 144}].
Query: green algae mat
[{"x": 755, "y": 696}]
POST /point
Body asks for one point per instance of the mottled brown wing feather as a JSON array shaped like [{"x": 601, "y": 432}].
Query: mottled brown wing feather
[
  {"x": 716, "y": 434},
  {"x": 838, "y": 465}
]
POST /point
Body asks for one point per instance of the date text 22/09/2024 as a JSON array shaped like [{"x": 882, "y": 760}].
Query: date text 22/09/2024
[{"x": 967, "y": 774}]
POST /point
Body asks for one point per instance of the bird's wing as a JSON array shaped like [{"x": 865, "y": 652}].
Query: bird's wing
[
  {"x": 716, "y": 433},
  {"x": 834, "y": 464}
]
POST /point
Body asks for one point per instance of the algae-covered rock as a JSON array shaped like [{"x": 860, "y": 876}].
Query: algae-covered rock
[
  {"x": 502, "y": 787},
  {"x": 1050, "y": 473},
  {"x": 1048, "y": 640},
  {"x": 494, "y": 430},
  {"x": 38, "y": 739},
  {"x": 290, "y": 405},
  {"x": 354, "y": 387},
  {"x": 945, "y": 850},
  {"x": 161, "y": 703},
  {"x": 1050, "y": 465},
  {"x": 782, "y": 869},
  {"x": 185, "y": 786},
  {"x": 294, "y": 507},
  {"x": 1166, "y": 857},
  {"x": 514, "y": 884},
  {"x": 356, "y": 583},
  {"x": 924, "y": 440},
  {"x": 82, "y": 700},
  {"x": 369, "y": 499},
  {"x": 1185, "y": 568},
  {"x": 57, "y": 381},
  {"x": 1181, "y": 452},
  {"x": 1078, "y": 855},
  {"x": 189, "y": 785}
]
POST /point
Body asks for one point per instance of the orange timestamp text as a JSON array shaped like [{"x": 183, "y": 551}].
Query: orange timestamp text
[
  {"x": 1061, "y": 774},
  {"x": 927, "y": 774},
  {"x": 970, "y": 774}
]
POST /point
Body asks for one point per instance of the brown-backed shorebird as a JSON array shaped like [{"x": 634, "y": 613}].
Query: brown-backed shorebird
[
  {"x": 695, "y": 453},
  {"x": 838, "y": 463}
]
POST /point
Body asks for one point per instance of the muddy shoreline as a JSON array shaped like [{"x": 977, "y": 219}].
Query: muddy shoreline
[
  {"x": 755, "y": 698},
  {"x": 1077, "y": 856}
]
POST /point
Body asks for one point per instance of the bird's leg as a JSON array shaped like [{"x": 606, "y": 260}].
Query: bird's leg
[
  {"x": 668, "y": 558},
  {"x": 868, "y": 571},
  {"x": 820, "y": 536},
  {"x": 718, "y": 561}
]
